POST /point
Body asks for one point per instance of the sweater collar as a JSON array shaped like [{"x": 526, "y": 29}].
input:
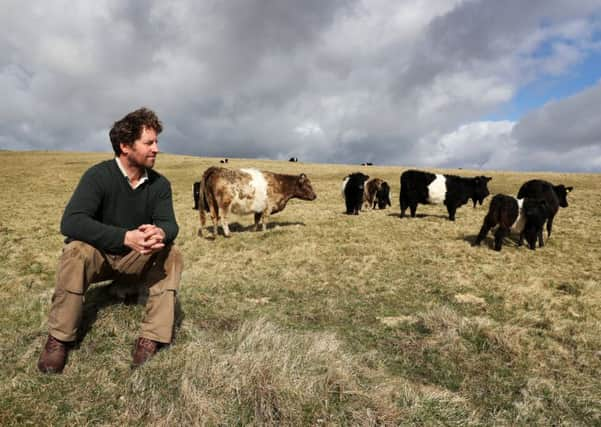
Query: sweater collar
[{"x": 142, "y": 180}]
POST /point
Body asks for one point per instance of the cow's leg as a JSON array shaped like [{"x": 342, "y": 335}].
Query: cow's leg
[
  {"x": 549, "y": 225},
  {"x": 203, "y": 219},
  {"x": 521, "y": 239},
  {"x": 500, "y": 234},
  {"x": 213, "y": 213},
  {"x": 451, "y": 209},
  {"x": 486, "y": 226},
  {"x": 223, "y": 214},
  {"x": 257, "y": 220},
  {"x": 265, "y": 219},
  {"x": 412, "y": 208},
  {"x": 404, "y": 204},
  {"x": 539, "y": 232},
  {"x": 349, "y": 206}
]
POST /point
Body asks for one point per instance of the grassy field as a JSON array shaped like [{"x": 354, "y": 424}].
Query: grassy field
[{"x": 325, "y": 319}]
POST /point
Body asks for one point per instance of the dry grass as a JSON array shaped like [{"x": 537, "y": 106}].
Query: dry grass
[{"x": 325, "y": 319}]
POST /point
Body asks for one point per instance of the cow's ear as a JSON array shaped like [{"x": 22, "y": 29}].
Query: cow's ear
[
  {"x": 488, "y": 178},
  {"x": 568, "y": 189},
  {"x": 302, "y": 178}
]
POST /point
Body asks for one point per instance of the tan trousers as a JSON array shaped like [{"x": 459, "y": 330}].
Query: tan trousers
[{"x": 82, "y": 264}]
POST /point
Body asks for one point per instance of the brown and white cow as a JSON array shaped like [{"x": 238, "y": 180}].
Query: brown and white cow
[
  {"x": 246, "y": 191},
  {"x": 377, "y": 192}
]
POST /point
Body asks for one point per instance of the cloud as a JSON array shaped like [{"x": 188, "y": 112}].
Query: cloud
[
  {"x": 564, "y": 125},
  {"x": 392, "y": 82}
]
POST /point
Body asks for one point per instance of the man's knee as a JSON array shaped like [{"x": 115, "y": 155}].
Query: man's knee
[
  {"x": 78, "y": 249},
  {"x": 166, "y": 272},
  {"x": 77, "y": 263},
  {"x": 175, "y": 259}
]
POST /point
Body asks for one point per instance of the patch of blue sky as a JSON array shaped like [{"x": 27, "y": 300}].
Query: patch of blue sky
[{"x": 548, "y": 87}]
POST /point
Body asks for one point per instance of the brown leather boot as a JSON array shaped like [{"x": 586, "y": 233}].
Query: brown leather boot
[
  {"x": 144, "y": 350},
  {"x": 54, "y": 356}
]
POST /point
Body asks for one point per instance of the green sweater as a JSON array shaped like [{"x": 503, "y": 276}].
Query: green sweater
[{"x": 104, "y": 207}]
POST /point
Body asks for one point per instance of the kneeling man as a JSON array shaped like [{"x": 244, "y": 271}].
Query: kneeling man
[{"x": 119, "y": 224}]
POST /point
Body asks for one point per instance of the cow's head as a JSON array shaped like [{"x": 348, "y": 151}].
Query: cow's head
[
  {"x": 536, "y": 212},
  {"x": 304, "y": 189},
  {"x": 562, "y": 194},
  {"x": 480, "y": 188}
]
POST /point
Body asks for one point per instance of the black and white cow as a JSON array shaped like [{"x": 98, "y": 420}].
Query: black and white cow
[
  {"x": 293, "y": 159},
  {"x": 353, "y": 188},
  {"x": 451, "y": 190},
  {"x": 556, "y": 196},
  {"x": 523, "y": 216}
]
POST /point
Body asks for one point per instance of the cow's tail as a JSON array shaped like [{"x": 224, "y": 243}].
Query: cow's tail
[
  {"x": 404, "y": 193},
  {"x": 205, "y": 198},
  {"x": 196, "y": 193}
]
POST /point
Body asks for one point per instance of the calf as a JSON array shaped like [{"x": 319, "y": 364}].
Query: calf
[
  {"x": 377, "y": 191},
  {"x": 556, "y": 196},
  {"x": 524, "y": 216},
  {"x": 428, "y": 188},
  {"x": 353, "y": 188},
  {"x": 247, "y": 191}
]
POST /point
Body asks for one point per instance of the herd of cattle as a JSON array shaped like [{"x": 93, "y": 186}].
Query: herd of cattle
[{"x": 262, "y": 193}]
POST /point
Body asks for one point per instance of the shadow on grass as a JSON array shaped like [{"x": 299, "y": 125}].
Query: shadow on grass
[
  {"x": 236, "y": 227},
  {"x": 489, "y": 241},
  {"x": 418, "y": 215},
  {"x": 100, "y": 297}
]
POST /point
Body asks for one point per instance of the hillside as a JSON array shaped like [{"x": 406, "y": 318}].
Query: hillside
[{"x": 323, "y": 319}]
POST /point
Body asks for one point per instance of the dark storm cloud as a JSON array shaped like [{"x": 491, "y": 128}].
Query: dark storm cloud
[
  {"x": 338, "y": 81},
  {"x": 566, "y": 125}
]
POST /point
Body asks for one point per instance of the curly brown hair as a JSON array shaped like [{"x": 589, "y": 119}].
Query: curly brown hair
[{"x": 129, "y": 128}]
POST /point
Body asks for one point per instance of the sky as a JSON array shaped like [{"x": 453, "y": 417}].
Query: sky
[{"x": 478, "y": 84}]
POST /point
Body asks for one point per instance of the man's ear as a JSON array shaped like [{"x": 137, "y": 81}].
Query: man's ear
[{"x": 125, "y": 148}]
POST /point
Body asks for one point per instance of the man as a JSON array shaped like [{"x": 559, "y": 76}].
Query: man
[{"x": 120, "y": 225}]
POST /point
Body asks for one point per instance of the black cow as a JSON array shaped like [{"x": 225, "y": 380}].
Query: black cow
[
  {"x": 196, "y": 192},
  {"x": 367, "y": 164},
  {"x": 554, "y": 195},
  {"x": 353, "y": 188},
  {"x": 479, "y": 198},
  {"x": 223, "y": 160},
  {"x": 428, "y": 188},
  {"x": 524, "y": 216},
  {"x": 293, "y": 159}
]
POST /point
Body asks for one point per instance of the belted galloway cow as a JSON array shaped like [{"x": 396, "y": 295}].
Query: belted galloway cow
[
  {"x": 353, "y": 189},
  {"x": 556, "y": 196},
  {"x": 523, "y": 216},
  {"x": 451, "y": 190}
]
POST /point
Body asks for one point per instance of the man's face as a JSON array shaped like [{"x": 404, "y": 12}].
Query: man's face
[{"x": 144, "y": 150}]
